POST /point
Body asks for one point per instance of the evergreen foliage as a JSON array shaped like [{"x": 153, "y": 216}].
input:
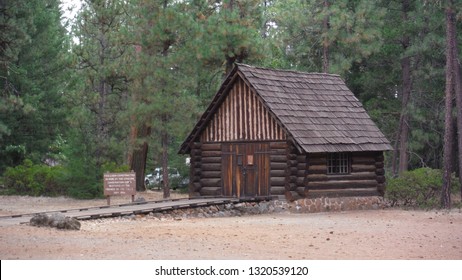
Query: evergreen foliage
[{"x": 33, "y": 71}]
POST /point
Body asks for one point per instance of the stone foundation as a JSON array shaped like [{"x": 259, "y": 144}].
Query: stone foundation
[{"x": 326, "y": 204}]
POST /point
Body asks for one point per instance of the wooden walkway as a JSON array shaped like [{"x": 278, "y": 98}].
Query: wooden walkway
[{"x": 128, "y": 209}]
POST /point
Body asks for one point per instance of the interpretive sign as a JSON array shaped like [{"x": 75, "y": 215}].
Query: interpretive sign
[{"x": 119, "y": 184}]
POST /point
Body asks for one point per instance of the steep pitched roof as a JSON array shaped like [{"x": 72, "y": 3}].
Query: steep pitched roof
[{"x": 317, "y": 110}]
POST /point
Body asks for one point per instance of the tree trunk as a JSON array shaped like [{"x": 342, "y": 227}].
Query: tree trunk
[
  {"x": 165, "y": 179},
  {"x": 458, "y": 92},
  {"x": 325, "y": 43},
  {"x": 402, "y": 137},
  {"x": 138, "y": 156},
  {"x": 404, "y": 119},
  {"x": 448, "y": 126}
]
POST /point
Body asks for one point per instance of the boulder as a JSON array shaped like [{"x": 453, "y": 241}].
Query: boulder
[{"x": 56, "y": 220}]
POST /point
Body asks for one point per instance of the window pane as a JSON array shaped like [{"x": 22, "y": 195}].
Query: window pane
[{"x": 338, "y": 163}]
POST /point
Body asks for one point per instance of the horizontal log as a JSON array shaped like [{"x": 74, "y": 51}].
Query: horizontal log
[
  {"x": 278, "y": 173},
  {"x": 318, "y": 171},
  {"x": 206, "y": 160},
  {"x": 211, "y": 147},
  {"x": 301, "y": 158},
  {"x": 196, "y": 164},
  {"x": 301, "y": 166},
  {"x": 211, "y": 154},
  {"x": 293, "y": 171},
  {"x": 342, "y": 184},
  {"x": 292, "y": 179},
  {"x": 278, "y": 145},
  {"x": 352, "y": 176},
  {"x": 381, "y": 179},
  {"x": 379, "y": 157},
  {"x": 195, "y": 187},
  {"x": 318, "y": 168},
  {"x": 194, "y": 194},
  {"x": 211, "y": 167},
  {"x": 291, "y": 187},
  {"x": 318, "y": 156},
  {"x": 363, "y": 160},
  {"x": 196, "y": 145},
  {"x": 317, "y": 161},
  {"x": 210, "y": 182},
  {"x": 292, "y": 156},
  {"x": 294, "y": 195},
  {"x": 197, "y": 171},
  {"x": 278, "y": 181},
  {"x": 278, "y": 166},
  {"x": 379, "y": 164},
  {"x": 301, "y": 191},
  {"x": 366, "y": 154},
  {"x": 196, "y": 178},
  {"x": 278, "y": 152},
  {"x": 276, "y": 190},
  {"x": 300, "y": 181},
  {"x": 196, "y": 158},
  {"x": 211, "y": 191},
  {"x": 292, "y": 163},
  {"x": 380, "y": 171},
  {"x": 342, "y": 192},
  {"x": 195, "y": 152},
  {"x": 278, "y": 158},
  {"x": 381, "y": 189},
  {"x": 362, "y": 168},
  {"x": 211, "y": 174}
]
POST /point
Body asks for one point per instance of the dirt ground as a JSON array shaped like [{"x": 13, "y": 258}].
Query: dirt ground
[{"x": 373, "y": 234}]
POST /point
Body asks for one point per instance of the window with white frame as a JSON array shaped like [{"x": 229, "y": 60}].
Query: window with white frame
[{"x": 338, "y": 163}]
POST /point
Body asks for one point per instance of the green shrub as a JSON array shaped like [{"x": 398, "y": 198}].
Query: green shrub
[
  {"x": 419, "y": 188},
  {"x": 33, "y": 179}
]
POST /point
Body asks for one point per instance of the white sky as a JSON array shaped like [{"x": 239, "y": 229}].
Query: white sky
[{"x": 70, "y": 8}]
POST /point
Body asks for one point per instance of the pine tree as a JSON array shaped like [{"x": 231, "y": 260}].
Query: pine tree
[
  {"x": 33, "y": 53},
  {"x": 101, "y": 54},
  {"x": 328, "y": 36},
  {"x": 164, "y": 107}
]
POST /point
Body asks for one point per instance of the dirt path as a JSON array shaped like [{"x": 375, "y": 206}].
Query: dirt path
[{"x": 374, "y": 234}]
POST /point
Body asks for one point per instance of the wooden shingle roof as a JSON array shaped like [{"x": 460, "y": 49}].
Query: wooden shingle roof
[{"x": 317, "y": 110}]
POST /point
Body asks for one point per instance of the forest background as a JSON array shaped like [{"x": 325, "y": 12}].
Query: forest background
[{"x": 119, "y": 86}]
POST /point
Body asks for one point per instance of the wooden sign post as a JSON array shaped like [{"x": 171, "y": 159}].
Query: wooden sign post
[{"x": 119, "y": 184}]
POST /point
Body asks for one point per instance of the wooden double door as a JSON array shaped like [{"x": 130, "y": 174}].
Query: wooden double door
[{"x": 245, "y": 169}]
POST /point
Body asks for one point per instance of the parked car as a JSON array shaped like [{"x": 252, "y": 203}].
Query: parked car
[{"x": 155, "y": 179}]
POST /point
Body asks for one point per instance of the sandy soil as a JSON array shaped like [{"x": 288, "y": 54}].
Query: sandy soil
[{"x": 374, "y": 234}]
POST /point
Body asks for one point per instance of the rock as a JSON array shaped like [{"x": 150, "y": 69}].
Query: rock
[
  {"x": 39, "y": 220},
  {"x": 69, "y": 223},
  {"x": 56, "y": 220},
  {"x": 140, "y": 199}
]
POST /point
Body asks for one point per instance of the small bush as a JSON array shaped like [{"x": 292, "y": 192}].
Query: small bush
[
  {"x": 33, "y": 179},
  {"x": 420, "y": 188}
]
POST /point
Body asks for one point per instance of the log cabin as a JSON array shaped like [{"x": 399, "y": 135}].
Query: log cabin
[{"x": 285, "y": 133}]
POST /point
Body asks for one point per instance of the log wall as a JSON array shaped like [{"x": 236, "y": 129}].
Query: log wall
[
  {"x": 278, "y": 163},
  {"x": 295, "y": 173},
  {"x": 292, "y": 174},
  {"x": 205, "y": 172},
  {"x": 366, "y": 176}
]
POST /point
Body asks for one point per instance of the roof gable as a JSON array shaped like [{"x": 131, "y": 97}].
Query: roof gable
[
  {"x": 241, "y": 116},
  {"x": 317, "y": 110}
]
